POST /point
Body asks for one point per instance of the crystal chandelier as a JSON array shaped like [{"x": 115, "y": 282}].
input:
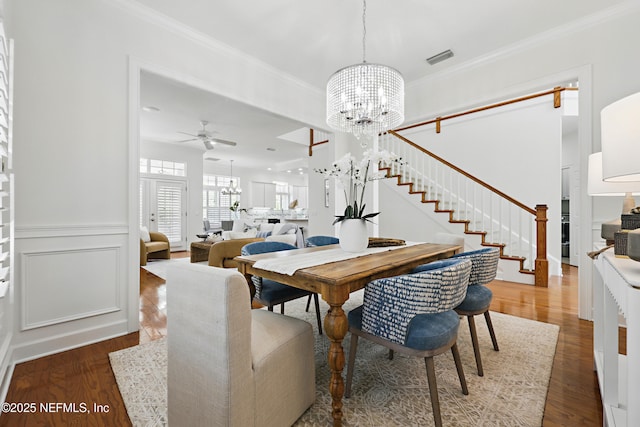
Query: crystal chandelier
[
  {"x": 232, "y": 188},
  {"x": 365, "y": 99}
]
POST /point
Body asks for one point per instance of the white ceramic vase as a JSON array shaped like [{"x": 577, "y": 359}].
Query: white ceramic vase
[{"x": 354, "y": 236}]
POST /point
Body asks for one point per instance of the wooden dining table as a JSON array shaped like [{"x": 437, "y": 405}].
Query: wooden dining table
[{"x": 334, "y": 281}]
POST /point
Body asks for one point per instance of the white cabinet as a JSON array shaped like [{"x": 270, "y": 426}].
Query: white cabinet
[
  {"x": 263, "y": 194},
  {"x": 616, "y": 290}
]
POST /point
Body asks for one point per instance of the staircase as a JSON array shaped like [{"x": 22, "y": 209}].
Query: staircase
[{"x": 497, "y": 219}]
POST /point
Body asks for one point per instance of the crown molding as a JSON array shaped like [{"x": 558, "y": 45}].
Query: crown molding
[
  {"x": 537, "y": 40},
  {"x": 152, "y": 16}
]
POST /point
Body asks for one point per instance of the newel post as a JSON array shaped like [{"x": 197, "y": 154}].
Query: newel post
[{"x": 542, "y": 264}]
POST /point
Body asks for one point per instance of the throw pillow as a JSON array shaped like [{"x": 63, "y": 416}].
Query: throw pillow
[
  {"x": 213, "y": 238},
  {"x": 243, "y": 235},
  {"x": 144, "y": 234},
  {"x": 266, "y": 227}
]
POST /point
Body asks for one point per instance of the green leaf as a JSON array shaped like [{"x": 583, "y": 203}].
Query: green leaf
[{"x": 348, "y": 211}]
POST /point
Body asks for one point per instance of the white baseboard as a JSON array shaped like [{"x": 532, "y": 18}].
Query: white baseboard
[{"x": 56, "y": 344}]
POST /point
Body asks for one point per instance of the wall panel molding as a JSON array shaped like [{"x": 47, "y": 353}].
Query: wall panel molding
[
  {"x": 62, "y": 285},
  {"x": 44, "y": 231}
]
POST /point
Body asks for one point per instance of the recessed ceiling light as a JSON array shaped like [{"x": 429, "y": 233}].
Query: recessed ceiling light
[
  {"x": 268, "y": 169},
  {"x": 440, "y": 57},
  {"x": 288, "y": 171},
  {"x": 150, "y": 108}
]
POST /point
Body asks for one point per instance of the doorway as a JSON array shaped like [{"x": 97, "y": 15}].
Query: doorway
[{"x": 163, "y": 209}]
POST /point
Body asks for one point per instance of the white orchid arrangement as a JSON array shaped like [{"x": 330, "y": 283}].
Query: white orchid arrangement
[{"x": 353, "y": 176}]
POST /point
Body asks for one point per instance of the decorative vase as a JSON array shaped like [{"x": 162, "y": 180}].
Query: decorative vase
[{"x": 353, "y": 235}]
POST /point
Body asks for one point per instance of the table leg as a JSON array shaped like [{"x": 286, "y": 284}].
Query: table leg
[
  {"x": 336, "y": 326},
  {"x": 252, "y": 287}
]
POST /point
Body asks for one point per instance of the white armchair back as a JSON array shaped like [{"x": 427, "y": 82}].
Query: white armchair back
[{"x": 229, "y": 365}]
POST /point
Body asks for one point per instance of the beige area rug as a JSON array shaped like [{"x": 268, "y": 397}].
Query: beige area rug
[{"x": 391, "y": 393}]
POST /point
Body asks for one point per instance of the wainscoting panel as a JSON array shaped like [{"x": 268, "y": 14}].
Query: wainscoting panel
[
  {"x": 88, "y": 278},
  {"x": 71, "y": 287}
]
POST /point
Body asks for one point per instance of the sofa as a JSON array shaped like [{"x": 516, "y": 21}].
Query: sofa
[
  {"x": 154, "y": 246},
  {"x": 229, "y": 365},
  {"x": 281, "y": 232},
  {"x": 222, "y": 253}
]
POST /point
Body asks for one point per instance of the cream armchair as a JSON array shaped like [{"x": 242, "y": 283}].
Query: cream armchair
[{"x": 229, "y": 365}]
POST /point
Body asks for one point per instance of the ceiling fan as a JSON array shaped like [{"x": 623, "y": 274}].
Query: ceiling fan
[{"x": 205, "y": 136}]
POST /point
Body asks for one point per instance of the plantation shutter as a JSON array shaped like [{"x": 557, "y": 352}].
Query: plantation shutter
[
  {"x": 6, "y": 212},
  {"x": 169, "y": 199}
]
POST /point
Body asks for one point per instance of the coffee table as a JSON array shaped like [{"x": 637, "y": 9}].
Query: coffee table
[{"x": 200, "y": 251}]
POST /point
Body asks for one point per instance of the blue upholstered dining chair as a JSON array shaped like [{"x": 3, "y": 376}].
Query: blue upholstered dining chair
[
  {"x": 322, "y": 241},
  {"x": 270, "y": 292},
  {"x": 413, "y": 314},
  {"x": 484, "y": 266}
]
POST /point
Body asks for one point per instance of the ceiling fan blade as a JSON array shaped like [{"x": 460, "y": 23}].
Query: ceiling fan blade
[
  {"x": 208, "y": 145},
  {"x": 223, "y": 141},
  {"x": 190, "y": 134},
  {"x": 189, "y": 140}
]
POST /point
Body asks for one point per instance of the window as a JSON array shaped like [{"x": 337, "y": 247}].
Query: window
[
  {"x": 162, "y": 167},
  {"x": 215, "y": 205},
  {"x": 282, "y": 195}
]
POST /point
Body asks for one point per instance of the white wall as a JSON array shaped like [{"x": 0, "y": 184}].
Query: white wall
[{"x": 76, "y": 152}]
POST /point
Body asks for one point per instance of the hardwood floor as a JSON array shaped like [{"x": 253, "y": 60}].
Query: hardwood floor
[{"x": 84, "y": 375}]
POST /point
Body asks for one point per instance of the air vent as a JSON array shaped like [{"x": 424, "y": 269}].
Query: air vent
[
  {"x": 440, "y": 57},
  {"x": 211, "y": 159}
]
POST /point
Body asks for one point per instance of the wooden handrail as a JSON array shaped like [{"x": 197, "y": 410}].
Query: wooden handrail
[
  {"x": 313, "y": 144},
  {"x": 438, "y": 120},
  {"x": 464, "y": 173}
]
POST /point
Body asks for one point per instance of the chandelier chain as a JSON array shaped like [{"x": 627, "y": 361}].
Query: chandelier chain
[{"x": 364, "y": 31}]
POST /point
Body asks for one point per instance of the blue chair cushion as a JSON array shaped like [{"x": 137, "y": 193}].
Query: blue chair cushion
[
  {"x": 355, "y": 318},
  {"x": 432, "y": 330},
  {"x": 478, "y": 298},
  {"x": 425, "y": 331},
  {"x": 275, "y": 292},
  {"x": 322, "y": 241}
]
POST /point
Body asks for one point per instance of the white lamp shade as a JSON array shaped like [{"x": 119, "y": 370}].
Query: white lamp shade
[
  {"x": 620, "y": 133},
  {"x": 596, "y": 186}
]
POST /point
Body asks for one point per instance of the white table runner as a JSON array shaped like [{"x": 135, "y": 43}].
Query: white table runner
[{"x": 290, "y": 264}]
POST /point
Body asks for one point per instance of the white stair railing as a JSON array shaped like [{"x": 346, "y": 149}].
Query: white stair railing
[{"x": 485, "y": 210}]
